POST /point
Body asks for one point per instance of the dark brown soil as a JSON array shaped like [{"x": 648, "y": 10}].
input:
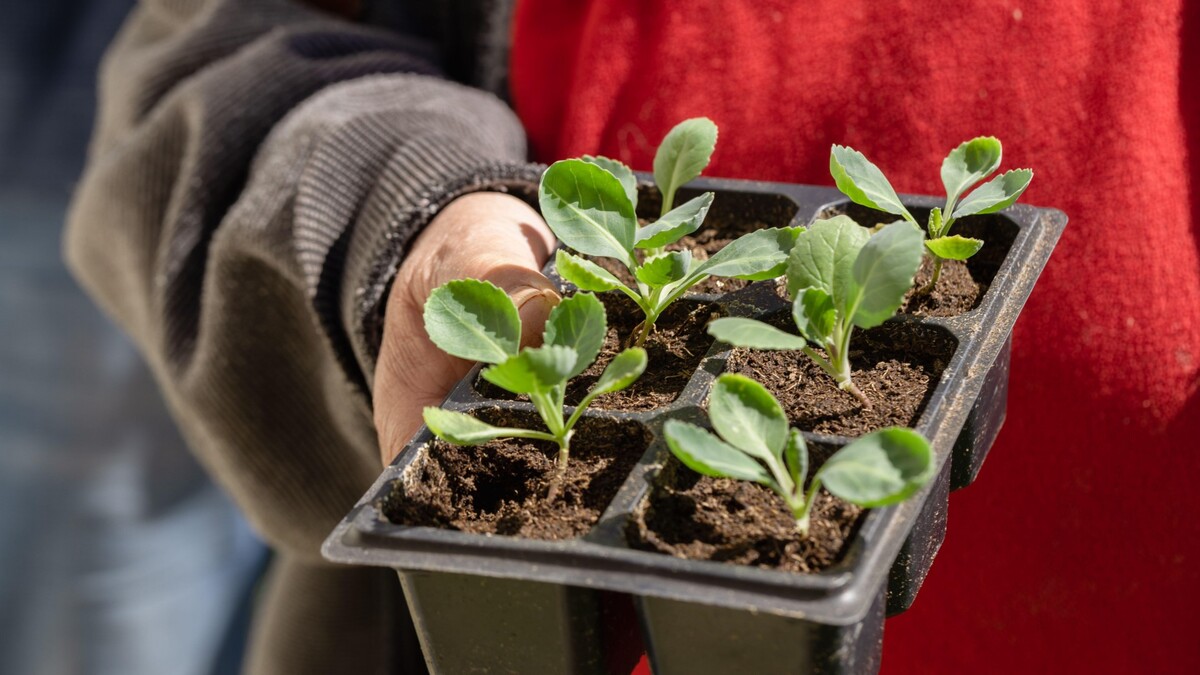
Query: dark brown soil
[
  {"x": 956, "y": 291},
  {"x": 674, "y": 351},
  {"x": 896, "y": 365},
  {"x": 501, "y": 487},
  {"x": 701, "y": 518}
]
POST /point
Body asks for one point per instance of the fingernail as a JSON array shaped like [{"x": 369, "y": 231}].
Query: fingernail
[
  {"x": 533, "y": 306},
  {"x": 527, "y": 294}
]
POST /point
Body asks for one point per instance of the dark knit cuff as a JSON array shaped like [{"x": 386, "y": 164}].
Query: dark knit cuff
[{"x": 423, "y": 176}]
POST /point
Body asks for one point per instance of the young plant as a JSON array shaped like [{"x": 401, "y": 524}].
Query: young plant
[
  {"x": 839, "y": 276},
  {"x": 755, "y": 444},
  {"x": 475, "y": 320},
  {"x": 591, "y": 205},
  {"x": 963, "y": 168}
]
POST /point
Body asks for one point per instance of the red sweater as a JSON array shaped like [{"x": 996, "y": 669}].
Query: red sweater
[{"x": 1077, "y": 551}]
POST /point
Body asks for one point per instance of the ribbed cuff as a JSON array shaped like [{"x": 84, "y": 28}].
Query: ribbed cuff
[{"x": 423, "y": 176}]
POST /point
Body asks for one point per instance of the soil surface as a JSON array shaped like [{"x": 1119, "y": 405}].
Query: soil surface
[
  {"x": 896, "y": 365},
  {"x": 674, "y": 351},
  {"x": 701, "y": 518},
  {"x": 956, "y": 291},
  {"x": 962, "y": 285},
  {"x": 501, "y": 487}
]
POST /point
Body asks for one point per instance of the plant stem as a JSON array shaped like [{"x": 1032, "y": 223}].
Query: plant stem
[
  {"x": 849, "y": 386},
  {"x": 550, "y": 411},
  {"x": 802, "y": 524},
  {"x": 803, "y": 518},
  {"x": 560, "y": 470},
  {"x": 820, "y": 361},
  {"x": 933, "y": 279},
  {"x": 841, "y": 361},
  {"x": 647, "y": 326}
]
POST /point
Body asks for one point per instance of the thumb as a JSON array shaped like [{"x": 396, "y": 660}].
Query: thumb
[
  {"x": 494, "y": 237},
  {"x": 489, "y": 236},
  {"x": 534, "y": 296}
]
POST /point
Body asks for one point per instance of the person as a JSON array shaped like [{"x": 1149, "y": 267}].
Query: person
[
  {"x": 118, "y": 556},
  {"x": 275, "y": 188}
]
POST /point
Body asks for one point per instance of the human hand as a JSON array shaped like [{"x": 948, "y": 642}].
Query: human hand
[{"x": 484, "y": 235}]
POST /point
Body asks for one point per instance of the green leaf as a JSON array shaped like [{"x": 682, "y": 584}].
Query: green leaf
[
  {"x": 881, "y": 468},
  {"x": 622, "y": 371},
  {"x": 953, "y": 247},
  {"x": 935, "y": 223},
  {"x": 824, "y": 257},
  {"x": 461, "y": 429},
  {"x": 578, "y": 322},
  {"x": 676, "y": 224},
  {"x": 795, "y": 457},
  {"x": 474, "y": 320},
  {"x": 708, "y": 455},
  {"x": 999, "y": 193},
  {"x": 585, "y": 274},
  {"x": 814, "y": 314},
  {"x": 968, "y": 164},
  {"x": 588, "y": 210},
  {"x": 754, "y": 334},
  {"x": 515, "y": 375},
  {"x": 683, "y": 154},
  {"x": 863, "y": 182},
  {"x": 884, "y": 271},
  {"x": 533, "y": 370},
  {"x": 664, "y": 269},
  {"x": 622, "y": 173},
  {"x": 552, "y": 365},
  {"x": 747, "y": 417},
  {"x": 756, "y": 256}
]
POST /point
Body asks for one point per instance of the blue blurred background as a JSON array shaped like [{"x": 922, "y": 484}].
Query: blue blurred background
[{"x": 117, "y": 555}]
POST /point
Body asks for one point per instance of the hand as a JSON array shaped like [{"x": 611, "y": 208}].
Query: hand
[{"x": 485, "y": 235}]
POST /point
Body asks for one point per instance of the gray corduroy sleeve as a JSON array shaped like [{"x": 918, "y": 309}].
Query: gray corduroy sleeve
[{"x": 257, "y": 173}]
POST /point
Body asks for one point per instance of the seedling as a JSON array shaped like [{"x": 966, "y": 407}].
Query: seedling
[
  {"x": 963, "y": 168},
  {"x": 591, "y": 204},
  {"x": 839, "y": 276},
  {"x": 475, "y": 320},
  {"x": 755, "y": 444}
]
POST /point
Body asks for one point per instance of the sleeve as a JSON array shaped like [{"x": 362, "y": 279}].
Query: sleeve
[{"x": 256, "y": 174}]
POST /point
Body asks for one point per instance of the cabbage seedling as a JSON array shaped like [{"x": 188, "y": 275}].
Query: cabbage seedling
[
  {"x": 963, "y": 168},
  {"x": 839, "y": 276},
  {"x": 475, "y": 320},
  {"x": 755, "y": 444},
  {"x": 590, "y": 204}
]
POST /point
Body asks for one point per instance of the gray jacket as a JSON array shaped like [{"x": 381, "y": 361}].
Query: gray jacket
[{"x": 256, "y": 174}]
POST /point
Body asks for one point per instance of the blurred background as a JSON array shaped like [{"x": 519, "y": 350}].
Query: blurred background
[{"x": 117, "y": 555}]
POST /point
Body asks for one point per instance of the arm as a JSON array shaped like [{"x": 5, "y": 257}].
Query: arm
[{"x": 257, "y": 174}]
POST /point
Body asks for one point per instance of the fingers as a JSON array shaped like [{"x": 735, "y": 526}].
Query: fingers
[
  {"x": 533, "y": 305},
  {"x": 489, "y": 236},
  {"x": 482, "y": 235}
]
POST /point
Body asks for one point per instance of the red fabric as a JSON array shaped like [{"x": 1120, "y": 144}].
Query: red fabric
[{"x": 1077, "y": 550}]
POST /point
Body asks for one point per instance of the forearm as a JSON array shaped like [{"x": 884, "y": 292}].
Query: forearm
[{"x": 249, "y": 196}]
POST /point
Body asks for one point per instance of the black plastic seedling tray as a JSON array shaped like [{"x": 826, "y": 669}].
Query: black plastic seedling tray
[{"x": 505, "y": 604}]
